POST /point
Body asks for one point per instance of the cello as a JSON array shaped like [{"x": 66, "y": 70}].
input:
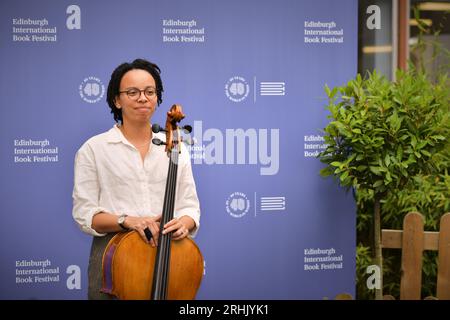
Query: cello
[{"x": 133, "y": 269}]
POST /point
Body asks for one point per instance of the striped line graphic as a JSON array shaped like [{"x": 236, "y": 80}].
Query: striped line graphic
[
  {"x": 272, "y": 88},
  {"x": 273, "y": 203}
]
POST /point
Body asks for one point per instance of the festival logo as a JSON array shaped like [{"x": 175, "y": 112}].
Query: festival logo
[
  {"x": 237, "y": 89},
  {"x": 92, "y": 90},
  {"x": 237, "y": 205}
]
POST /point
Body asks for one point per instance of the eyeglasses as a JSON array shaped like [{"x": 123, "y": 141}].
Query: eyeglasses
[{"x": 135, "y": 93}]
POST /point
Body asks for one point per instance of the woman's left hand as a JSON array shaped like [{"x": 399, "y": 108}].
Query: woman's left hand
[{"x": 179, "y": 229}]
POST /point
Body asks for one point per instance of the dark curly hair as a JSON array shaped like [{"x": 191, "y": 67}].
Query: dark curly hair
[{"x": 117, "y": 75}]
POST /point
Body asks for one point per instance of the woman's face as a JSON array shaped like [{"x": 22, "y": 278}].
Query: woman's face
[{"x": 137, "y": 98}]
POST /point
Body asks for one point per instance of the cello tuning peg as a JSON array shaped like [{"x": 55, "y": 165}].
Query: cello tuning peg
[
  {"x": 189, "y": 141},
  {"x": 157, "y": 128},
  {"x": 187, "y": 129},
  {"x": 158, "y": 142}
]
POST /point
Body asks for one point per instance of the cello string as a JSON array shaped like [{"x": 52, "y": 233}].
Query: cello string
[
  {"x": 169, "y": 216},
  {"x": 165, "y": 238},
  {"x": 161, "y": 264},
  {"x": 173, "y": 179}
]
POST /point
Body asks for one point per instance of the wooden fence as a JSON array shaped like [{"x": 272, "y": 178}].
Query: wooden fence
[{"x": 413, "y": 240}]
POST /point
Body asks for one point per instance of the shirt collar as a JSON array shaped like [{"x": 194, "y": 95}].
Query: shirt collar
[{"x": 115, "y": 135}]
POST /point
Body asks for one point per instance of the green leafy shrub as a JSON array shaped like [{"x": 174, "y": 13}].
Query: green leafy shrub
[{"x": 388, "y": 141}]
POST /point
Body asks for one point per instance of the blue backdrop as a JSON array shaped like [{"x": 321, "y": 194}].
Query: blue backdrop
[{"x": 250, "y": 77}]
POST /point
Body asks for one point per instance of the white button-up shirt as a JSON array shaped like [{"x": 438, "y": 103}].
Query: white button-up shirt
[{"x": 110, "y": 176}]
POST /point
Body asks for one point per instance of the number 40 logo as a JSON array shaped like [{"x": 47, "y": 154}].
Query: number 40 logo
[{"x": 237, "y": 89}]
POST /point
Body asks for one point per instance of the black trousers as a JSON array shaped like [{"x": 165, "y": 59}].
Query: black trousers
[{"x": 95, "y": 268}]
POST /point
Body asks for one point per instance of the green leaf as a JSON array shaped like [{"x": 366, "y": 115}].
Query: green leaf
[
  {"x": 425, "y": 152},
  {"x": 388, "y": 177},
  {"x": 334, "y": 91},
  {"x": 393, "y": 121},
  {"x": 378, "y": 183},
  {"x": 350, "y": 159},
  {"x": 344, "y": 176},
  {"x": 411, "y": 159},
  {"x": 336, "y": 164},
  {"x": 438, "y": 137},
  {"x": 325, "y": 172},
  {"x": 399, "y": 153},
  {"x": 356, "y": 130},
  {"x": 404, "y": 137},
  {"x": 422, "y": 144},
  {"x": 413, "y": 142},
  {"x": 398, "y": 124},
  {"x": 387, "y": 160},
  {"x": 337, "y": 124},
  {"x": 375, "y": 170}
]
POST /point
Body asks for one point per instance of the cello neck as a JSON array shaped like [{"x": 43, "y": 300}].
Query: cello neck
[{"x": 162, "y": 263}]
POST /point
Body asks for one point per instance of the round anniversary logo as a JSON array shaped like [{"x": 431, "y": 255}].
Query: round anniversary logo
[
  {"x": 237, "y": 89},
  {"x": 91, "y": 90},
  {"x": 237, "y": 204}
]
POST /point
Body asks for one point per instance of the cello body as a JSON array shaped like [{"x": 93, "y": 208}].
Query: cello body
[{"x": 128, "y": 265}]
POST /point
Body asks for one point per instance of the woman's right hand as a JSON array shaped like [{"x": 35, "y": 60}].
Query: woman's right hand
[{"x": 141, "y": 223}]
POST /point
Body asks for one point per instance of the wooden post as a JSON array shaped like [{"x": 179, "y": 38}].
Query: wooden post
[
  {"x": 443, "y": 278},
  {"x": 403, "y": 34},
  {"x": 378, "y": 246},
  {"x": 412, "y": 246}
]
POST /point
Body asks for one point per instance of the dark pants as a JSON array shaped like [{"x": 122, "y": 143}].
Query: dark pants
[{"x": 95, "y": 268}]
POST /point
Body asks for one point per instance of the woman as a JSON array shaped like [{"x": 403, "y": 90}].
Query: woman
[{"x": 120, "y": 177}]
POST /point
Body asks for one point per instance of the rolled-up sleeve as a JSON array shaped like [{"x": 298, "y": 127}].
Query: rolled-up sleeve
[
  {"x": 86, "y": 190},
  {"x": 187, "y": 203}
]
